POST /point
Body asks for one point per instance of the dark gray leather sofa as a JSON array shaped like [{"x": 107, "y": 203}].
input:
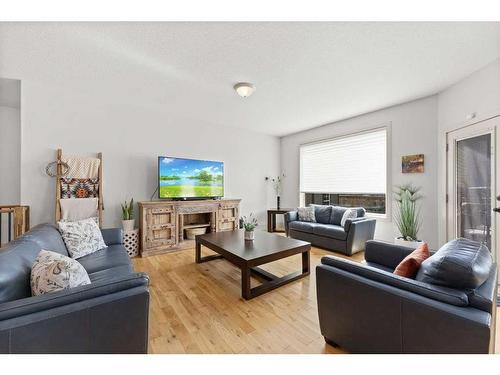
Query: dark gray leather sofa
[
  {"x": 110, "y": 315},
  {"x": 365, "y": 308},
  {"x": 327, "y": 231}
]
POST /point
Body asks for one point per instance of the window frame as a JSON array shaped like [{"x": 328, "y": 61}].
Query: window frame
[{"x": 388, "y": 196}]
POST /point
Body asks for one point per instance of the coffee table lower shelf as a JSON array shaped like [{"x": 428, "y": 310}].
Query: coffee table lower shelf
[{"x": 269, "y": 281}]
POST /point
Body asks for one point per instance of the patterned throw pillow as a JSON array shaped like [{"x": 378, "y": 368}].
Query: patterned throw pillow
[
  {"x": 79, "y": 187},
  {"x": 307, "y": 214},
  {"x": 81, "y": 237},
  {"x": 350, "y": 213},
  {"x": 52, "y": 272}
]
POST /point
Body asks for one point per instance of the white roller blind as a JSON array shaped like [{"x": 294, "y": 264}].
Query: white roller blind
[{"x": 351, "y": 164}]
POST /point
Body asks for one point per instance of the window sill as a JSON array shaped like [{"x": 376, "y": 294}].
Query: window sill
[{"x": 380, "y": 217}]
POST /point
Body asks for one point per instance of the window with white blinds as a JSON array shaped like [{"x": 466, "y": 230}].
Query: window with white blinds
[{"x": 355, "y": 164}]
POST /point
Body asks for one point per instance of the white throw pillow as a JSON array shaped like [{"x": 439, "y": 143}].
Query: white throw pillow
[
  {"x": 350, "y": 213},
  {"x": 81, "y": 237},
  {"x": 307, "y": 214},
  {"x": 52, "y": 272}
]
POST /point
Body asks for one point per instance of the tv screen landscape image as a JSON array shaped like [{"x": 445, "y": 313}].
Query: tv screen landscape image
[{"x": 190, "y": 178}]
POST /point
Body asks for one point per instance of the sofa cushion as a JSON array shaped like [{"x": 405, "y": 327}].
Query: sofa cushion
[
  {"x": 47, "y": 236},
  {"x": 302, "y": 226},
  {"x": 111, "y": 273},
  {"x": 337, "y": 213},
  {"x": 331, "y": 231},
  {"x": 322, "y": 213},
  {"x": 16, "y": 259},
  {"x": 459, "y": 264},
  {"x": 53, "y": 272},
  {"x": 112, "y": 256}
]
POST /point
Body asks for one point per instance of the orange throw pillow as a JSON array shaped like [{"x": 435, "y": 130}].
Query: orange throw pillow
[{"x": 411, "y": 263}]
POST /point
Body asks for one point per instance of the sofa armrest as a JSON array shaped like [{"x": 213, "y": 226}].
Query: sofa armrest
[
  {"x": 25, "y": 306},
  {"x": 112, "y": 236},
  {"x": 289, "y": 217},
  {"x": 447, "y": 295},
  {"x": 348, "y": 222},
  {"x": 386, "y": 253},
  {"x": 358, "y": 233}
]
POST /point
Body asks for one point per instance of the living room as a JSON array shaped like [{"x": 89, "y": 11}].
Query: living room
[{"x": 249, "y": 187}]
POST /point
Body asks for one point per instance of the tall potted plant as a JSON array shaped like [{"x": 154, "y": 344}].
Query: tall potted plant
[
  {"x": 128, "y": 216},
  {"x": 407, "y": 215}
]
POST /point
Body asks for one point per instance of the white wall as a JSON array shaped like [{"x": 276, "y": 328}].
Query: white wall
[
  {"x": 478, "y": 93},
  {"x": 131, "y": 135},
  {"x": 10, "y": 155},
  {"x": 413, "y": 131}
]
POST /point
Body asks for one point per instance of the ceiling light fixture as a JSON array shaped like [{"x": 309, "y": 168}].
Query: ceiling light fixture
[{"x": 244, "y": 89}]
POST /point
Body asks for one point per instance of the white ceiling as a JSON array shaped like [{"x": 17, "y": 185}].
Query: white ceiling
[
  {"x": 10, "y": 92},
  {"x": 306, "y": 74}
]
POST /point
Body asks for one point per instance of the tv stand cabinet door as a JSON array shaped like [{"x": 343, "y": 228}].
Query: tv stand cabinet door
[
  {"x": 227, "y": 217},
  {"x": 160, "y": 227}
]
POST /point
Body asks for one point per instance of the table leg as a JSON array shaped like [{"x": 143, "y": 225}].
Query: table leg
[
  {"x": 245, "y": 283},
  {"x": 197, "y": 252},
  {"x": 306, "y": 265},
  {"x": 269, "y": 224},
  {"x": 273, "y": 221}
]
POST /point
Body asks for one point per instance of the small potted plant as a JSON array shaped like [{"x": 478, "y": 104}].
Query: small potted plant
[
  {"x": 128, "y": 216},
  {"x": 407, "y": 215},
  {"x": 250, "y": 224}
]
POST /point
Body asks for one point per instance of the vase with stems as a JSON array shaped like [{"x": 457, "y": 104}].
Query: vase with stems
[{"x": 278, "y": 186}]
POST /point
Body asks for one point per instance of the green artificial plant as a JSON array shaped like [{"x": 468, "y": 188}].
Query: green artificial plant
[
  {"x": 128, "y": 210},
  {"x": 407, "y": 215}
]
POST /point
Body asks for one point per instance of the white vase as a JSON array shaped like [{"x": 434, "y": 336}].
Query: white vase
[
  {"x": 249, "y": 235},
  {"x": 411, "y": 244},
  {"x": 128, "y": 225}
]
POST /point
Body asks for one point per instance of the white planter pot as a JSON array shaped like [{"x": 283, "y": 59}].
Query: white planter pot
[
  {"x": 249, "y": 235},
  {"x": 411, "y": 244},
  {"x": 128, "y": 225}
]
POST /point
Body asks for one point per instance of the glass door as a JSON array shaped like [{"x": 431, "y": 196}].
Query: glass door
[{"x": 472, "y": 184}]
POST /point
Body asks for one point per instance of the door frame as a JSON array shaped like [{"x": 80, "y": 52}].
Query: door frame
[{"x": 490, "y": 126}]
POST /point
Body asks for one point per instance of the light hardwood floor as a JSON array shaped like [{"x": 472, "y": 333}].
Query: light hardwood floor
[{"x": 197, "y": 308}]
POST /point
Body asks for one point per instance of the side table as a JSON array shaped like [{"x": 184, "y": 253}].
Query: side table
[
  {"x": 131, "y": 242},
  {"x": 271, "y": 217}
]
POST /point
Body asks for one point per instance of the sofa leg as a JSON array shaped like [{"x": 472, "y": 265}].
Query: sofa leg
[{"x": 330, "y": 342}]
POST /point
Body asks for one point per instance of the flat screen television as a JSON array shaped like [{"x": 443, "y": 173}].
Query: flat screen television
[{"x": 180, "y": 178}]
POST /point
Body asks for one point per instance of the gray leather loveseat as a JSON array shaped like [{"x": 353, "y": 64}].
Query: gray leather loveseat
[
  {"x": 110, "y": 315},
  {"x": 327, "y": 232},
  {"x": 450, "y": 307}
]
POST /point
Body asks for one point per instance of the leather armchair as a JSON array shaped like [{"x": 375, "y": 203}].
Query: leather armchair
[{"x": 365, "y": 308}]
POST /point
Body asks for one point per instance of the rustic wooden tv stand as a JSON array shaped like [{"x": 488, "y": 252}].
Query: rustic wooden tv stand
[{"x": 162, "y": 223}]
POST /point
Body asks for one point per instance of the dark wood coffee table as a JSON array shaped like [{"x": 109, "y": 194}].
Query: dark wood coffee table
[{"x": 248, "y": 255}]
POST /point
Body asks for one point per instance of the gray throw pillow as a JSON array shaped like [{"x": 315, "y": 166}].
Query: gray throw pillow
[
  {"x": 307, "y": 214},
  {"x": 52, "y": 272},
  {"x": 81, "y": 237},
  {"x": 350, "y": 213}
]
